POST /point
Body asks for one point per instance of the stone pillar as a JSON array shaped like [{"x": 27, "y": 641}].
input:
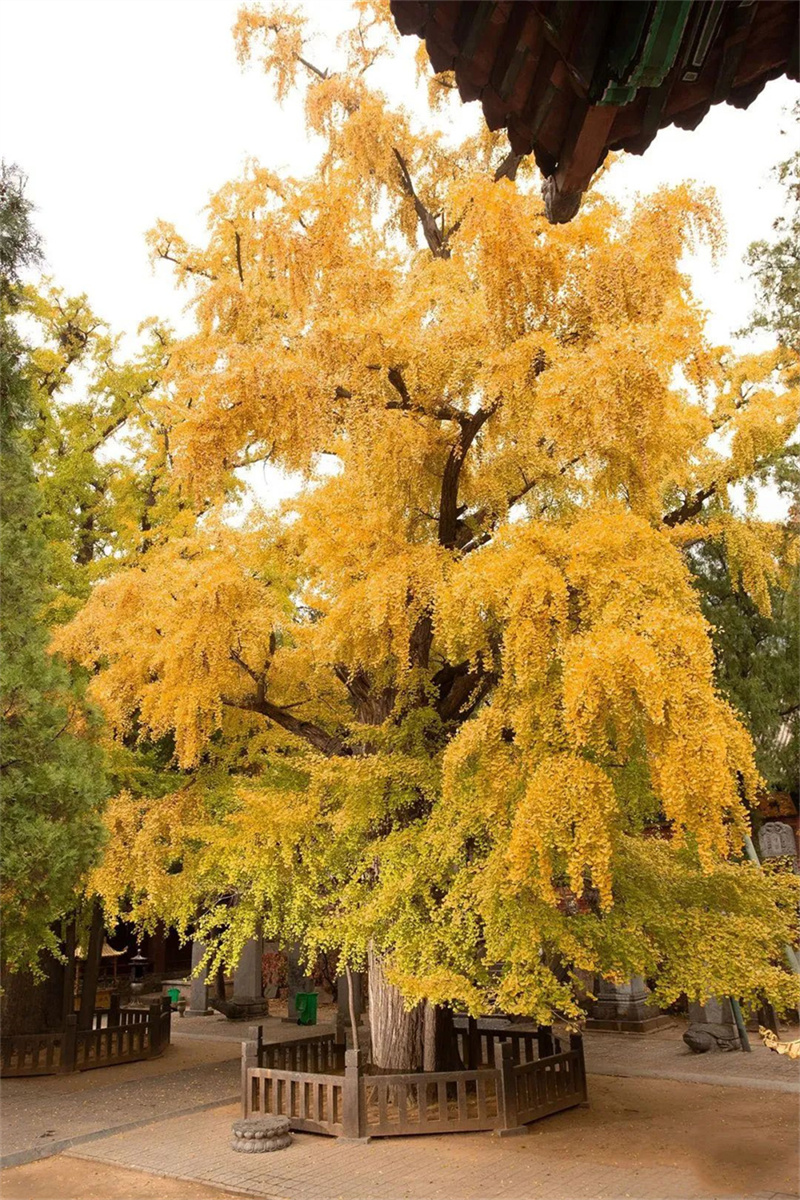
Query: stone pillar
[
  {"x": 248, "y": 992},
  {"x": 712, "y": 1026},
  {"x": 198, "y": 1003},
  {"x": 623, "y": 1008}
]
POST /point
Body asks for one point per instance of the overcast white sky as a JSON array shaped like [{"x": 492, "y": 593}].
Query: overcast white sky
[{"x": 125, "y": 111}]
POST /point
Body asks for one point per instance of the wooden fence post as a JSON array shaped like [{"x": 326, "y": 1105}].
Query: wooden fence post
[
  {"x": 506, "y": 1090},
  {"x": 250, "y": 1059},
  {"x": 473, "y": 1045},
  {"x": 154, "y": 1027},
  {"x": 354, "y": 1123},
  {"x": 544, "y": 1036},
  {"x": 113, "y": 1010},
  {"x": 576, "y": 1043},
  {"x": 68, "y": 1044},
  {"x": 166, "y": 1021}
]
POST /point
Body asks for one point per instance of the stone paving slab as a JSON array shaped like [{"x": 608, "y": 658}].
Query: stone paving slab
[{"x": 664, "y": 1055}]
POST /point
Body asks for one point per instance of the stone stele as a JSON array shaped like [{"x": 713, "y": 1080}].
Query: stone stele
[
  {"x": 260, "y": 1135},
  {"x": 775, "y": 839}
]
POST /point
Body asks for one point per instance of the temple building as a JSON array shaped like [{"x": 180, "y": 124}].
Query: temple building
[{"x": 572, "y": 79}]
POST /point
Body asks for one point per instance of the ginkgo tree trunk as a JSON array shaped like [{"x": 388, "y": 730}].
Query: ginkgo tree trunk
[{"x": 452, "y": 707}]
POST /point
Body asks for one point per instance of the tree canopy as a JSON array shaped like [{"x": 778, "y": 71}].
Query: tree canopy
[{"x": 455, "y": 700}]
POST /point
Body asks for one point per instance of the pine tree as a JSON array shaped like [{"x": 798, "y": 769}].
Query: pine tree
[{"x": 51, "y": 776}]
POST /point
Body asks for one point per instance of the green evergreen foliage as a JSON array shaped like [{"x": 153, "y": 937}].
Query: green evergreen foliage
[
  {"x": 51, "y": 774},
  {"x": 756, "y": 658},
  {"x": 757, "y": 655},
  {"x": 776, "y": 264}
]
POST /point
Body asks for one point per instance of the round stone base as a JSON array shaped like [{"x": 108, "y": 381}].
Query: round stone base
[{"x": 260, "y": 1135}]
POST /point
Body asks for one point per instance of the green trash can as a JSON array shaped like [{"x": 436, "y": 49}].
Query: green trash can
[{"x": 306, "y": 1005}]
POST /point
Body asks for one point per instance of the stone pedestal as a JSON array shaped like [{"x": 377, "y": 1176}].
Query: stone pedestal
[
  {"x": 260, "y": 1135},
  {"x": 712, "y": 1027},
  {"x": 198, "y": 1004},
  {"x": 623, "y": 1008},
  {"x": 248, "y": 992}
]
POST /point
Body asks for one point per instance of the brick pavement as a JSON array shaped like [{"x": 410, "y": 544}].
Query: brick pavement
[{"x": 551, "y": 1163}]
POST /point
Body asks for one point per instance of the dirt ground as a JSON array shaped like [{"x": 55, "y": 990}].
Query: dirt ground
[
  {"x": 64, "y": 1178},
  {"x": 738, "y": 1142},
  {"x": 735, "y": 1142}
]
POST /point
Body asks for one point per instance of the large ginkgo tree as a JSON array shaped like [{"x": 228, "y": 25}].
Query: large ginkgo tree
[{"x": 451, "y": 709}]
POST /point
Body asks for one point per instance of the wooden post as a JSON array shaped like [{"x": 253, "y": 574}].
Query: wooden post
[
  {"x": 473, "y": 1045},
  {"x": 91, "y": 972},
  {"x": 506, "y": 1090},
  {"x": 68, "y": 1044},
  {"x": 544, "y": 1036},
  {"x": 354, "y": 1122},
  {"x": 113, "y": 1010},
  {"x": 70, "y": 944},
  {"x": 166, "y": 1021},
  {"x": 250, "y": 1059},
  {"x": 576, "y": 1043},
  {"x": 154, "y": 1022},
  {"x": 158, "y": 949}
]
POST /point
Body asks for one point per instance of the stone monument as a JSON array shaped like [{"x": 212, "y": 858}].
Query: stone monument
[
  {"x": 198, "y": 1002},
  {"x": 248, "y": 991},
  {"x": 776, "y": 840},
  {"x": 623, "y": 1008},
  {"x": 712, "y": 1027}
]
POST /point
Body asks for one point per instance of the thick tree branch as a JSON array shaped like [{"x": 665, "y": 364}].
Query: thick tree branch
[
  {"x": 442, "y": 412},
  {"x": 448, "y": 507},
  {"x": 329, "y": 744},
  {"x": 435, "y": 235},
  {"x": 508, "y": 167},
  {"x": 238, "y": 237},
  {"x": 691, "y": 506}
]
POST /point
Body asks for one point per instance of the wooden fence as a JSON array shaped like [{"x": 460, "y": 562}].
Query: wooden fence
[
  {"x": 476, "y": 1043},
  {"x": 118, "y": 1035},
  {"x": 322, "y": 1088}
]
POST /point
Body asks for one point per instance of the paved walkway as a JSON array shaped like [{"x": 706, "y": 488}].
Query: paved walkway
[{"x": 201, "y": 1068}]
